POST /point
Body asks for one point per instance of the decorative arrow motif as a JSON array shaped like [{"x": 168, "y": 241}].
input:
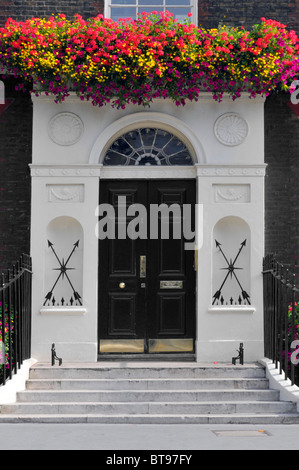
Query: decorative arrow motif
[
  {"x": 63, "y": 272},
  {"x": 231, "y": 268}
]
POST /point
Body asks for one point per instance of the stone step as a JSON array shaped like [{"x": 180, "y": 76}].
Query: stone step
[
  {"x": 148, "y": 384},
  {"x": 149, "y": 371},
  {"x": 127, "y": 392},
  {"x": 146, "y": 395},
  {"x": 234, "y": 418},
  {"x": 111, "y": 408}
]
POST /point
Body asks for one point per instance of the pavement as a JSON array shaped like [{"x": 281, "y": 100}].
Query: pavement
[{"x": 117, "y": 440}]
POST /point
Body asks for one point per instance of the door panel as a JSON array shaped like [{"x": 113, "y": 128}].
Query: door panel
[
  {"x": 147, "y": 286},
  {"x": 171, "y": 265},
  {"x": 120, "y": 297},
  {"x": 122, "y": 258},
  {"x": 171, "y": 298},
  {"x": 122, "y": 314},
  {"x": 168, "y": 323}
]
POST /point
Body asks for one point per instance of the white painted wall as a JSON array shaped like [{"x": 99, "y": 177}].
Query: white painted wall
[
  {"x": 222, "y": 329},
  {"x": 73, "y": 171}
]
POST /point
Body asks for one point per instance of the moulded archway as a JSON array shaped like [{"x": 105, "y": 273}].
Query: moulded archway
[
  {"x": 147, "y": 119},
  {"x": 148, "y": 146}
]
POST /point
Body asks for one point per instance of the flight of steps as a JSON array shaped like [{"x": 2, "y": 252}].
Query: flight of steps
[{"x": 143, "y": 393}]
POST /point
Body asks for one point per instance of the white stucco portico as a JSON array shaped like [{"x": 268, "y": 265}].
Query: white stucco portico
[{"x": 226, "y": 143}]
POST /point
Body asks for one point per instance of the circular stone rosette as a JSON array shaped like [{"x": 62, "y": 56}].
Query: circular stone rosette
[
  {"x": 65, "y": 128},
  {"x": 231, "y": 129}
]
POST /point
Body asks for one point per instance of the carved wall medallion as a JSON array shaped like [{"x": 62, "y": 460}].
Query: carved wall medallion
[
  {"x": 231, "y": 129},
  {"x": 66, "y": 193},
  {"x": 231, "y": 193},
  {"x": 65, "y": 128}
]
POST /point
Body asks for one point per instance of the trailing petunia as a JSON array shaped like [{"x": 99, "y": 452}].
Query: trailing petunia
[
  {"x": 6, "y": 330},
  {"x": 154, "y": 56}
]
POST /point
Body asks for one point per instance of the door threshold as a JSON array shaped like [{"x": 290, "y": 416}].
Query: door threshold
[{"x": 171, "y": 357}]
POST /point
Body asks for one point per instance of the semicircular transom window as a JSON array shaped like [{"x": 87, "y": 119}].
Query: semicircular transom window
[{"x": 147, "y": 147}]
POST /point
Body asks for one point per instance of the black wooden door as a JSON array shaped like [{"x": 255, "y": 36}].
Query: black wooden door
[{"x": 146, "y": 280}]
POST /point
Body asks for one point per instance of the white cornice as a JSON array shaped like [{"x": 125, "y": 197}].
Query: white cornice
[
  {"x": 231, "y": 170},
  {"x": 65, "y": 170},
  {"x": 126, "y": 172},
  {"x": 148, "y": 172},
  {"x": 203, "y": 96}
]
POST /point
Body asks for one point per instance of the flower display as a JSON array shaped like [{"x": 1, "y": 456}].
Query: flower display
[
  {"x": 154, "y": 56},
  {"x": 293, "y": 312},
  {"x": 4, "y": 337},
  {"x": 292, "y": 333}
]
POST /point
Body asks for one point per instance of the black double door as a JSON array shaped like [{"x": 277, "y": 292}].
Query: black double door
[{"x": 146, "y": 274}]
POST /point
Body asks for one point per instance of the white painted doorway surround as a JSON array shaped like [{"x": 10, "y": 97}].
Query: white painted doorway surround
[{"x": 226, "y": 142}]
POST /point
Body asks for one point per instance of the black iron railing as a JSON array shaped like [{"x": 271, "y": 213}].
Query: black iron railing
[
  {"x": 281, "y": 317},
  {"x": 15, "y": 318}
]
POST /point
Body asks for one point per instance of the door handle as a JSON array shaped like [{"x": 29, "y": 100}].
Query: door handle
[
  {"x": 142, "y": 270},
  {"x": 122, "y": 285}
]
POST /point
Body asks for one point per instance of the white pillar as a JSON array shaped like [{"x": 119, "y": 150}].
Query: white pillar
[
  {"x": 67, "y": 193},
  {"x": 235, "y": 192}
]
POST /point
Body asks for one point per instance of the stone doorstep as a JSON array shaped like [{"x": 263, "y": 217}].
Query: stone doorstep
[
  {"x": 153, "y": 395},
  {"x": 145, "y": 370},
  {"x": 165, "y": 405},
  {"x": 147, "y": 384},
  {"x": 260, "y": 419}
]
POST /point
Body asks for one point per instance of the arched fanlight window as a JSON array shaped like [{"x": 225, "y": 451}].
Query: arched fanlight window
[{"x": 147, "y": 147}]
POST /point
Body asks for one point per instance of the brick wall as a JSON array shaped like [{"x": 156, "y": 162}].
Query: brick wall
[
  {"x": 281, "y": 130},
  {"x": 245, "y": 12},
  {"x": 282, "y": 180},
  {"x": 15, "y": 156},
  {"x": 211, "y": 12},
  {"x": 22, "y": 9}
]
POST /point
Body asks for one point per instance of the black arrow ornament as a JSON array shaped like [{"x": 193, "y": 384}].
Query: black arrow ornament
[
  {"x": 63, "y": 268},
  {"x": 231, "y": 268}
]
